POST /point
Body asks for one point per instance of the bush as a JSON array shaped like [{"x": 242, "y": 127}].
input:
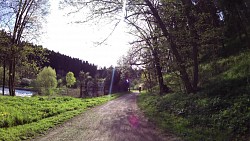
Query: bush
[
  {"x": 46, "y": 81},
  {"x": 25, "y": 82}
]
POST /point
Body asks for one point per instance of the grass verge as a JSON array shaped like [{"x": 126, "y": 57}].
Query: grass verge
[
  {"x": 23, "y": 117},
  {"x": 198, "y": 117}
]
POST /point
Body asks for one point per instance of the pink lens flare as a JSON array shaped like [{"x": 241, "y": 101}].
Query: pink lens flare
[{"x": 133, "y": 120}]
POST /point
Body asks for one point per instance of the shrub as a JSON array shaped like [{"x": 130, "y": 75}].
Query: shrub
[
  {"x": 46, "y": 81},
  {"x": 25, "y": 82}
]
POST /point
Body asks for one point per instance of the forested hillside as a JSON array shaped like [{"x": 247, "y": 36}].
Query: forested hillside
[
  {"x": 218, "y": 111},
  {"x": 63, "y": 64}
]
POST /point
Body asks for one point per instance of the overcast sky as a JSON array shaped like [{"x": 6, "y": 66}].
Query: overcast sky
[{"x": 78, "y": 40}]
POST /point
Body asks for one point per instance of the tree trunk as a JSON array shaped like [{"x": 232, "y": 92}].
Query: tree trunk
[
  {"x": 4, "y": 71},
  {"x": 195, "y": 67},
  {"x": 85, "y": 88},
  {"x": 150, "y": 82},
  {"x": 10, "y": 73},
  {"x": 12, "y": 76},
  {"x": 163, "y": 87},
  {"x": 180, "y": 63},
  {"x": 242, "y": 26},
  {"x": 191, "y": 21},
  {"x": 81, "y": 95}
]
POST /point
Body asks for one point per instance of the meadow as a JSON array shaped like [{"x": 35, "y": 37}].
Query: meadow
[{"x": 24, "y": 117}]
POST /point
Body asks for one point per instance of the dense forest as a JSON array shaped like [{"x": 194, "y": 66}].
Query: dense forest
[{"x": 63, "y": 64}]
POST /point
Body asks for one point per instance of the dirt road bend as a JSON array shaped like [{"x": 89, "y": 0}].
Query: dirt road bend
[{"x": 117, "y": 120}]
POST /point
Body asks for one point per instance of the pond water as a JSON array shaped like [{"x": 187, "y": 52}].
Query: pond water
[{"x": 18, "y": 92}]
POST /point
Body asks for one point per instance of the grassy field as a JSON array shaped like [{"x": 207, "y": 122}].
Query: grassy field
[
  {"x": 219, "y": 111},
  {"x": 23, "y": 117}
]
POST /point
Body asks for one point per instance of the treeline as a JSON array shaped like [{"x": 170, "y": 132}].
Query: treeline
[
  {"x": 32, "y": 59},
  {"x": 24, "y": 26},
  {"x": 178, "y": 37},
  {"x": 107, "y": 76},
  {"x": 64, "y": 64}
]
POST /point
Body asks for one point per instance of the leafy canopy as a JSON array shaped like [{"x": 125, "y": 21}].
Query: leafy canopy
[
  {"x": 47, "y": 78},
  {"x": 70, "y": 79}
]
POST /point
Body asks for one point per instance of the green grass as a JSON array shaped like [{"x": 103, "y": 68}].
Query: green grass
[
  {"x": 198, "y": 117},
  {"x": 24, "y": 117},
  {"x": 220, "y": 111}
]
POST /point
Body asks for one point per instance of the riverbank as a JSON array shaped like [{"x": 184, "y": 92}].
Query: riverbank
[
  {"x": 19, "y": 92},
  {"x": 19, "y": 88}
]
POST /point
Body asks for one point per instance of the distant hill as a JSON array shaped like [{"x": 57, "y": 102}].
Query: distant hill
[{"x": 63, "y": 64}]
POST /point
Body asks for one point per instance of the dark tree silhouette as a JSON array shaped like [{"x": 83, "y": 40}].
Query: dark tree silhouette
[{"x": 63, "y": 64}]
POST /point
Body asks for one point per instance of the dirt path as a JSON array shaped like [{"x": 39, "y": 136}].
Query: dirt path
[{"x": 117, "y": 120}]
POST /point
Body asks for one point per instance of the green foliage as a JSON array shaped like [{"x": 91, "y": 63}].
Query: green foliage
[
  {"x": 1, "y": 76},
  {"x": 84, "y": 79},
  {"x": 84, "y": 76},
  {"x": 240, "y": 68},
  {"x": 198, "y": 117},
  {"x": 173, "y": 81},
  {"x": 66, "y": 63},
  {"x": 70, "y": 79},
  {"x": 23, "y": 117},
  {"x": 25, "y": 82},
  {"x": 220, "y": 111},
  {"x": 60, "y": 83},
  {"x": 31, "y": 58},
  {"x": 17, "y": 77},
  {"x": 227, "y": 77},
  {"x": 46, "y": 80}
]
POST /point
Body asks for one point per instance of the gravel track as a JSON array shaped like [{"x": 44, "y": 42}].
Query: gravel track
[{"x": 117, "y": 120}]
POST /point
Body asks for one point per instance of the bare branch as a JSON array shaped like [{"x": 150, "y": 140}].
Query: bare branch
[{"x": 100, "y": 43}]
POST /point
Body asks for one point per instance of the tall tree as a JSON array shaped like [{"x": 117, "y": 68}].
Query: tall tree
[
  {"x": 152, "y": 45},
  {"x": 22, "y": 19},
  {"x": 137, "y": 8},
  {"x": 181, "y": 26},
  {"x": 4, "y": 41},
  {"x": 173, "y": 46},
  {"x": 70, "y": 79},
  {"x": 31, "y": 60},
  {"x": 84, "y": 79},
  {"x": 236, "y": 17}
]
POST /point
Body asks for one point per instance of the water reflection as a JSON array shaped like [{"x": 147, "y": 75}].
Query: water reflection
[{"x": 18, "y": 92}]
